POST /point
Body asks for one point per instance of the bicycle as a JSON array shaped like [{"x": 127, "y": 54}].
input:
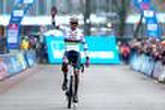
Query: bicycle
[{"x": 70, "y": 91}]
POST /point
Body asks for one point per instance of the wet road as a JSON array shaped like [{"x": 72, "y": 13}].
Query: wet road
[{"x": 101, "y": 88}]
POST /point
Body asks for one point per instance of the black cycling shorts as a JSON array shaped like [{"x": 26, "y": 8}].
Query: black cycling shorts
[{"x": 74, "y": 57}]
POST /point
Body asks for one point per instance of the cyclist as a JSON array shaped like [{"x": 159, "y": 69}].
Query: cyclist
[{"x": 73, "y": 38}]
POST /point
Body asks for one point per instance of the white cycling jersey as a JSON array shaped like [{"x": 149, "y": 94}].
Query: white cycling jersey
[{"x": 73, "y": 40}]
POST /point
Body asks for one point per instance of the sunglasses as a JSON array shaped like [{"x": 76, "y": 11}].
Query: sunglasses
[{"x": 74, "y": 24}]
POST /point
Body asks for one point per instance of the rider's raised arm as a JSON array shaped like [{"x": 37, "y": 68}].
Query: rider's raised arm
[{"x": 61, "y": 28}]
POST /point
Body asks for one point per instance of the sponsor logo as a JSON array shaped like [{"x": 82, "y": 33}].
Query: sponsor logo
[
  {"x": 148, "y": 13},
  {"x": 152, "y": 27},
  {"x": 57, "y": 54},
  {"x": 28, "y": 1},
  {"x": 18, "y": 13}
]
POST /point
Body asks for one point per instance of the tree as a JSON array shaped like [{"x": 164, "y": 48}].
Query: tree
[
  {"x": 138, "y": 26},
  {"x": 121, "y": 7},
  {"x": 87, "y": 23},
  {"x": 107, "y": 5}
]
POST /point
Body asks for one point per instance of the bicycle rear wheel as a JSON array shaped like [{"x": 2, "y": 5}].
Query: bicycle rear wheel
[{"x": 70, "y": 93}]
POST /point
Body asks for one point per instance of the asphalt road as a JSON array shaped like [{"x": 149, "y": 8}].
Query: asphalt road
[{"x": 113, "y": 87}]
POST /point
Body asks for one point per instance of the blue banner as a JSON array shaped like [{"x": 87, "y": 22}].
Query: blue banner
[
  {"x": 153, "y": 29},
  {"x": 146, "y": 8},
  {"x": 101, "y": 50},
  {"x": 137, "y": 3},
  {"x": 14, "y": 27}
]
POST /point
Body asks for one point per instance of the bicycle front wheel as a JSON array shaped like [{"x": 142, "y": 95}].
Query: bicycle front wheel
[{"x": 70, "y": 93}]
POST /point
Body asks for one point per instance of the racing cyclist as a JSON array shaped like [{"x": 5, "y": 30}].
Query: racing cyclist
[{"x": 73, "y": 39}]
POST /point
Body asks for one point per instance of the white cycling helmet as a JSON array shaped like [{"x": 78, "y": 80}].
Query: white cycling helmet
[{"x": 74, "y": 19}]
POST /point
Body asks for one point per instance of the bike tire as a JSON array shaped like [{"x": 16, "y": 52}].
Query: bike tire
[{"x": 70, "y": 94}]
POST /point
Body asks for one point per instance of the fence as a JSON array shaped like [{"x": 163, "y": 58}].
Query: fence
[
  {"x": 148, "y": 66},
  {"x": 12, "y": 64}
]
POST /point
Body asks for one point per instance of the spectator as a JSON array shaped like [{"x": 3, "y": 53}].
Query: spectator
[
  {"x": 25, "y": 44},
  {"x": 125, "y": 52},
  {"x": 43, "y": 53},
  {"x": 32, "y": 42},
  {"x": 150, "y": 47}
]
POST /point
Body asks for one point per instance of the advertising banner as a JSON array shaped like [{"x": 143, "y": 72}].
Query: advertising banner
[
  {"x": 30, "y": 57},
  {"x": 12, "y": 33},
  {"x": 101, "y": 50},
  {"x": 21, "y": 61},
  {"x": 14, "y": 64},
  {"x": 146, "y": 8},
  {"x": 152, "y": 27},
  {"x": 148, "y": 13},
  {"x": 3, "y": 69},
  {"x": 14, "y": 27}
]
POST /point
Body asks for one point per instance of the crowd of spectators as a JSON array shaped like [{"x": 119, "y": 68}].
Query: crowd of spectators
[
  {"x": 151, "y": 47},
  {"x": 34, "y": 42}
]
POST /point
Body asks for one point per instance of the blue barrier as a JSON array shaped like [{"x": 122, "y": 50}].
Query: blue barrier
[
  {"x": 158, "y": 70},
  {"x": 21, "y": 60},
  {"x": 14, "y": 64},
  {"x": 30, "y": 57},
  {"x": 147, "y": 65},
  {"x": 10, "y": 61},
  {"x": 3, "y": 69},
  {"x": 102, "y": 50}
]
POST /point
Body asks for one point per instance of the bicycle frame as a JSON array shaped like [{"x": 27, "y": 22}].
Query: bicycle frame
[{"x": 71, "y": 83}]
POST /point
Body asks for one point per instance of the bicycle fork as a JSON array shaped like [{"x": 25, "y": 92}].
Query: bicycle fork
[{"x": 70, "y": 90}]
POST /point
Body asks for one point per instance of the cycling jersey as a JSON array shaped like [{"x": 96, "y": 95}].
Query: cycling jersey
[{"x": 73, "y": 40}]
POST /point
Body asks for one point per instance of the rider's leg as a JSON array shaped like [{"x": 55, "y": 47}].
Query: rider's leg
[
  {"x": 77, "y": 80},
  {"x": 77, "y": 76},
  {"x": 65, "y": 71}
]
